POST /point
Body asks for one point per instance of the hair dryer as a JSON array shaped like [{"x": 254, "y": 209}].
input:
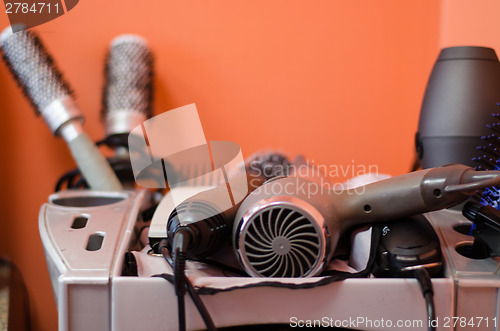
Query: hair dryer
[{"x": 289, "y": 227}]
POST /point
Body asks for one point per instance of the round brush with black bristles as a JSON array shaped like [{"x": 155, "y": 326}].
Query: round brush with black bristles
[
  {"x": 49, "y": 93},
  {"x": 128, "y": 89}
]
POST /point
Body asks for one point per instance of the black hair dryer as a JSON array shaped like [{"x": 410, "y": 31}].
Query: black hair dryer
[{"x": 460, "y": 97}]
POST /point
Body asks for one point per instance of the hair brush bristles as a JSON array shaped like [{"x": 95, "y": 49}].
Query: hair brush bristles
[
  {"x": 490, "y": 161},
  {"x": 128, "y": 78},
  {"x": 268, "y": 164},
  {"x": 33, "y": 68}
]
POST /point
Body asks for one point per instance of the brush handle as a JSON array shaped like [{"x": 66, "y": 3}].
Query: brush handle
[{"x": 93, "y": 166}]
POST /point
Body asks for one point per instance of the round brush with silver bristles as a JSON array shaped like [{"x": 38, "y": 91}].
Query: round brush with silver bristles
[
  {"x": 49, "y": 93},
  {"x": 128, "y": 89}
]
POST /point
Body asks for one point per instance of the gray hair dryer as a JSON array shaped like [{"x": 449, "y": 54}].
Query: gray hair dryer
[{"x": 289, "y": 226}]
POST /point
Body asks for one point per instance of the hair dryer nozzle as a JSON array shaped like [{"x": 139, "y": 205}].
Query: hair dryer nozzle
[{"x": 475, "y": 180}]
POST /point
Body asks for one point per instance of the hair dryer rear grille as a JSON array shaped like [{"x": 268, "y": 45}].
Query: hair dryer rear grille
[{"x": 281, "y": 242}]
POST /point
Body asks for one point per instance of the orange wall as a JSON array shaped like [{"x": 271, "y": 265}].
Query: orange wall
[
  {"x": 339, "y": 81},
  {"x": 465, "y": 23}
]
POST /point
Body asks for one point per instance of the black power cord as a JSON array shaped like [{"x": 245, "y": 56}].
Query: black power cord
[
  {"x": 179, "y": 248},
  {"x": 425, "y": 282},
  {"x": 182, "y": 280}
]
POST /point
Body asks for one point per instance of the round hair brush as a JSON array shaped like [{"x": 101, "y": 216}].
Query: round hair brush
[
  {"x": 127, "y": 97},
  {"x": 49, "y": 93}
]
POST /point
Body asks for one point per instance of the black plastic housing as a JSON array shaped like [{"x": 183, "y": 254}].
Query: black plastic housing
[{"x": 407, "y": 243}]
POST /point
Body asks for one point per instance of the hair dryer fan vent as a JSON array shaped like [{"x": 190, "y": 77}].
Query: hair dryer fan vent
[{"x": 281, "y": 241}]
